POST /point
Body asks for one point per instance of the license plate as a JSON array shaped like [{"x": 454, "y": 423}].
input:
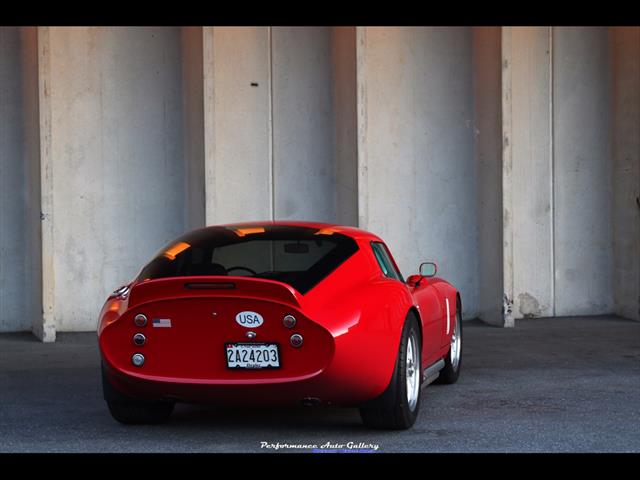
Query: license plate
[{"x": 252, "y": 355}]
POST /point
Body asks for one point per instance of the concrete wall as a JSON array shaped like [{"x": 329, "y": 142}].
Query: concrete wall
[
  {"x": 118, "y": 173},
  {"x": 313, "y": 99},
  {"x": 625, "y": 113},
  {"x": 280, "y": 124},
  {"x": 487, "y": 96},
  {"x": 237, "y": 106},
  {"x": 304, "y": 162},
  {"x": 417, "y": 166},
  {"x": 20, "y": 286},
  {"x": 510, "y": 156},
  {"x": 557, "y": 172},
  {"x": 582, "y": 172}
]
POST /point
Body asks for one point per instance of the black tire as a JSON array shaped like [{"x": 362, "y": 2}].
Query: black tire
[
  {"x": 133, "y": 411},
  {"x": 449, "y": 374},
  {"x": 391, "y": 409}
]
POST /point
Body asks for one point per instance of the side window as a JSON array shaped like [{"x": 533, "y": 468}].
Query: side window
[{"x": 384, "y": 260}]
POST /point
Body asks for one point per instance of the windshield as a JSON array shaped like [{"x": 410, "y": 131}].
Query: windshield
[{"x": 298, "y": 256}]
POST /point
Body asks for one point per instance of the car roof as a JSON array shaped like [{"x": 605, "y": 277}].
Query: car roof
[{"x": 353, "y": 232}]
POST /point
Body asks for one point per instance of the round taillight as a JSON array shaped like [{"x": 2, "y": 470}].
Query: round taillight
[
  {"x": 140, "y": 320},
  {"x": 137, "y": 359},
  {"x": 289, "y": 321},
  {"x": 296, "y": 340},
  {"x": 139, "y": 339}
]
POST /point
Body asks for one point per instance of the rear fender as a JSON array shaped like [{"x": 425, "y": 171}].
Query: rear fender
[{"x": 368, "y": 339}]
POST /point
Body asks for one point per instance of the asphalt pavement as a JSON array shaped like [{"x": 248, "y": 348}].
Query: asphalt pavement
[{"x": 547, "y": 385}]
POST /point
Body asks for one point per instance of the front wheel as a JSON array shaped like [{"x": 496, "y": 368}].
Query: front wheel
[
  {"x": 397, "y": 408},
  {"x": 453, "y": 361}
]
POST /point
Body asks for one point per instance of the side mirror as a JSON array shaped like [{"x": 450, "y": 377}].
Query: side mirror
[{"x": 428, "y": 269}]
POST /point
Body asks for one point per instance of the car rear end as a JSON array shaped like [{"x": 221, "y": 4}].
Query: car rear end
[{"x": 223, "y": 338}]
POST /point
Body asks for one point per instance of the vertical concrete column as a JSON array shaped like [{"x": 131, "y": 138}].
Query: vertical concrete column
[
  {"x": 345, "y": 124},
  {"x": 280, "y": 129},
  {"x": 237, "y": 124},
  {"x": 582, "y": 174},
  {"x": 20, "y": 282},
  {"x": 487, "y": 62},
  {"x": 625, "y": 113},
  {"x": 193, "y": 125},
  {"x": 417, "y": 170},
  {"x": 46, "y": 331},
  {"x": 557, "y": 172},
  {"x": 305, "y": 164},
  {"x": 527, "y": 173},
  {"x": 113, "y": 164}
]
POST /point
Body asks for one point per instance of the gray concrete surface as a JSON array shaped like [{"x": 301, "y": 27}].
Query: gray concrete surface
[
  {"x": 570, "y": 220},
  {"x": 417, "y": 184},
  {"x": 117, "y": 160},
  {"x": 625, "y": 57},
  {"x": 463, "y": 145},
  {"x": 487, "y": 93},
  {"x": 527, "y": 171},
  {"x": 19, "y": 180},
  {"x": 582, "y": 172},
  {"x": 552, "y": 385}
]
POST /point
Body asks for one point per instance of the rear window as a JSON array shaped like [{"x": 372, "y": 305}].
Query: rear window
[{"x": 298, "y": 256}]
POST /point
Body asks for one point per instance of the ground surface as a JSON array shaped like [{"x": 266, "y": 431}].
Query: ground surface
[{"x": 554, "y": 385}]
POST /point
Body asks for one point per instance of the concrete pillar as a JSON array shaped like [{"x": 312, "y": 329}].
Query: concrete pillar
[
  {"x": 527, "y": 173},
  {"x": 113, "y": 163},
  {"x": 280, "y": 124},
  {"x": 558, "y": 252},
  {"x": 582, "y": 173},
  {"x": 20, "y": 287},
  {"x": 237, "y": 112},
  {"x": 625, "y": 113},
  {"x": 193, "y": 125},
  {"x": 313, "y": 98},
  {"x": 487, "y": 96},
  {"x": 416, "y": 149},
  {"x": 345, "y": 124},
  {"x": 304, "y": 176}
]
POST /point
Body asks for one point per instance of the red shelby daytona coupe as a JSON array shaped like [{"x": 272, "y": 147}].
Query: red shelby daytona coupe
[{"x": 278, "y": 313}]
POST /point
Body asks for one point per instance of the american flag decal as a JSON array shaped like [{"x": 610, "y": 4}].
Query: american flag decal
[{"x": 162, "y": 322}]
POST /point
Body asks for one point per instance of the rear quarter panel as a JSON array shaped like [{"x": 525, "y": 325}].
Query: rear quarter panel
[
  {"x": 448, "y": 293},
  {"x": 365, "y": 313}
]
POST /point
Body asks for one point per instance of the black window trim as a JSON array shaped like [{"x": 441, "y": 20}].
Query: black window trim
[
  {"x": 346, "y": 247},
  {"x": 393, "y": 262}
]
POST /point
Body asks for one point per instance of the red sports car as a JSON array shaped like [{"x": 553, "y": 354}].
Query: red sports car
[{"x": 278, "y": 313}]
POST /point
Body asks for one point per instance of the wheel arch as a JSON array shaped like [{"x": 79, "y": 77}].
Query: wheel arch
[{"x": 414, "y": 311}]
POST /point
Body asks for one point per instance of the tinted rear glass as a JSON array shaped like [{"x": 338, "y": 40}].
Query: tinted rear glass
[{"x": 298, "y": 256}]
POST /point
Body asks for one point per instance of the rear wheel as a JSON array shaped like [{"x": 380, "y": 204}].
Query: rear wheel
[
  {"x": 453, "y": 361},
  {"x": 397, "y": 408},
  {"x": 130, "y": 410}
]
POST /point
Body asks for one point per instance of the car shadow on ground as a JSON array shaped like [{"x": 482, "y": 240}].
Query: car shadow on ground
[{"x": 304, "y": 419}]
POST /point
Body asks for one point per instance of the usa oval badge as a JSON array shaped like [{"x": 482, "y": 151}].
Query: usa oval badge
[{"x": 249, "y": 319}]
